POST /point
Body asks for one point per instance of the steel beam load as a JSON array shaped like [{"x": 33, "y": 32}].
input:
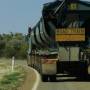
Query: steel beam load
[{"x": 59, "y": 15}]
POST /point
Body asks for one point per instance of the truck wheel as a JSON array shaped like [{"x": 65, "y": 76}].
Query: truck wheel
[
  {"x": 52, "y": 78},
  {"x": 44, "y": 78},
  {"x": 86, "y": 71},
  {"x": 84, "y": 74}
]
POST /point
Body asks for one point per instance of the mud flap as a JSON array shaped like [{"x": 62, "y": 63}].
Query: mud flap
[{"x": 75, "y": 68}]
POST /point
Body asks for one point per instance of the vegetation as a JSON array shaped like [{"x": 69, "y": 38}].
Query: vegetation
[
  {"x": 13, "y": 45},
  {"x": 11, "y": 80}
]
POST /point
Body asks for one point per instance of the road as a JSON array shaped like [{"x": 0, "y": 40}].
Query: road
[
  {"x": 66, "y": 83},
  {"x": 29, "y": 80}
]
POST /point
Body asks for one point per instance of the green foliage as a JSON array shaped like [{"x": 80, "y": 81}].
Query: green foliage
[
  {"x": 11, "y": 81},
  {"x": 13, "y": 45},
  {"x": 2, "y": 47},
  {"x": 11, "y": 78}
]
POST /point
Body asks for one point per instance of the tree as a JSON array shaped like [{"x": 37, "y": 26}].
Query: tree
[
  {"x": 13, "y": 45},
  {"x": 2, "y": 47}
]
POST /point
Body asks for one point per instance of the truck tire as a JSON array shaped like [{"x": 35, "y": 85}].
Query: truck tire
[
  {"x": 44, "y": 78},
  {"x": 52, "y": 78},
  {"x": 84, "y": 71}
]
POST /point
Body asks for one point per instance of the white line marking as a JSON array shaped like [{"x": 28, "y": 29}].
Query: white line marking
[{"x": 35, "y": 86}]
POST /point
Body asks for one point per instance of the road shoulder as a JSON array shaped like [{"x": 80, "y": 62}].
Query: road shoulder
[{"x": 31, "y": 81}]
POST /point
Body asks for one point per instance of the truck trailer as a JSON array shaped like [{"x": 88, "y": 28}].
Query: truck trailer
[{"x": 59, "y": 43}]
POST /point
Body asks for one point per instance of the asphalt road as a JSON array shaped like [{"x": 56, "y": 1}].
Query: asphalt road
[{"x": 66, "y": 83}]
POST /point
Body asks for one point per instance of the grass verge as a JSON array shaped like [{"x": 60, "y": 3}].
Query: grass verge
[{"x": 12, "y": 80}]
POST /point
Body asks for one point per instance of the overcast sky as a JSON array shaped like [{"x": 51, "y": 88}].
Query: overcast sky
[{"x": 17, "y": 15}]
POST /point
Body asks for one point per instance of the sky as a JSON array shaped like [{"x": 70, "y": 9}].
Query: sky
[{"x": 18, "y": 15}]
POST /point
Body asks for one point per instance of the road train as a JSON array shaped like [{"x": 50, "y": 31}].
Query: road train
[{"x": 60, "y": 42}]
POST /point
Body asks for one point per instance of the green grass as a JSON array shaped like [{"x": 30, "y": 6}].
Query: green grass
[{"x": 11, "y": 80}]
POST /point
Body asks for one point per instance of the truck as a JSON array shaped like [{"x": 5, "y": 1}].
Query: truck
[{"x": 59, "y": 42}]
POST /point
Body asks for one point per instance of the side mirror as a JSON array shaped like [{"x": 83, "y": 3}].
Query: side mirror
[{"x": 29, "y": 31}]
